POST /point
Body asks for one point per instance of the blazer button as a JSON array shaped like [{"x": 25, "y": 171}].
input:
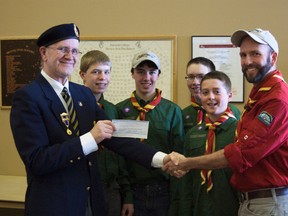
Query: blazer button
[
  {"x": 78, "y": 158},
  {"x": 71, "y": 161},
  {"x": 88, "y": 188},
  {"x": 90, "y": 163}
]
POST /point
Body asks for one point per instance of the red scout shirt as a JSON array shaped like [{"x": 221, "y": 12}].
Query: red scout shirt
[{"x": 259, "y": 158}]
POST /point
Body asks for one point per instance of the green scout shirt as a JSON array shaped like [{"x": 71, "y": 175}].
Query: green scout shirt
[
  {"x": 222, "y": 200},
  {"x": 165, "y": 133},
  {"x": 112, "y": 165},
  {"x": 190, "y": 116}
]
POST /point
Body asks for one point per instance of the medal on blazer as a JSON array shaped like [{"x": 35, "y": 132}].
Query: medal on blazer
[{"x": 65, "y": 119}]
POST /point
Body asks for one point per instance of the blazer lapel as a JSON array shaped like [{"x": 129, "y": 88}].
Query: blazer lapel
[{"x": 53, "y": 100}]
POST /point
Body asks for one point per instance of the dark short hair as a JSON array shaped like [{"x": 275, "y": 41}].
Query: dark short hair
[
  {"x": 204, "y": 61},
  {"x": 220, "y": 76}
]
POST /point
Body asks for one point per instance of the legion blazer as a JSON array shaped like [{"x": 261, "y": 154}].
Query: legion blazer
[{"x": 59, "y": 176}]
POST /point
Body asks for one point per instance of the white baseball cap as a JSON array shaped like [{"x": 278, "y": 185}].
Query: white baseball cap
[
  {"x": 146, "y": 56},
  {"x": 259, "y": 35}
]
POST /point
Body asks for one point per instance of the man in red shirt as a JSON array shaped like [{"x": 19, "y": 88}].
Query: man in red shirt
[{"x": 259, "y": 155}]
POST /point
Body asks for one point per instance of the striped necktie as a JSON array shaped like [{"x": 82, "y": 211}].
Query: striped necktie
[
  {"x": 211, "y": 143},
  {"x": 71, "y": 110}
]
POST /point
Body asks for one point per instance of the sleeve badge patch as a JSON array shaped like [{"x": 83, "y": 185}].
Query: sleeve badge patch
[{"x": 266, "y": 118}]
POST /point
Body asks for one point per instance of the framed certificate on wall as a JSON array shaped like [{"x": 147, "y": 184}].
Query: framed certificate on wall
[{"x": 225, "y": 56}]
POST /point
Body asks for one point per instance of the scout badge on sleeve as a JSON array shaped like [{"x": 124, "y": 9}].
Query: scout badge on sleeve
[
  {"x": 266, "y": 118},
  {"x": 66, "y": 121}
]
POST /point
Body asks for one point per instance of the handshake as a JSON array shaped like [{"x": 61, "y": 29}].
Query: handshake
[{"x": 175, "y": 164}]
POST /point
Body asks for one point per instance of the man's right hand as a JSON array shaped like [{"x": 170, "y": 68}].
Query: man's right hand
[{"x": 172, "y": 164}]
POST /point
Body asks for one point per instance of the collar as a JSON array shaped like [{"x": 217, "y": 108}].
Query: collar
[{"x": 58, "y": 87}]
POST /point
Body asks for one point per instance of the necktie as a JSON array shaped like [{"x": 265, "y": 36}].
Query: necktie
[
  {"x": 71, "y": 110},
  {"x": 210, "y": 143},
  {"x": 147, "y": 107},
  {"x": 199, "y": 109}
]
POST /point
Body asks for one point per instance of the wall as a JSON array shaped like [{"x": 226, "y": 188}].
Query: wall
[{"x": 183, "y": 18}]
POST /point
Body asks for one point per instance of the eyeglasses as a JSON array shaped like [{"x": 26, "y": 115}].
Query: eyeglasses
[
  {"x": 192, "y": 77},
  {"x": 67, "y": 50}
]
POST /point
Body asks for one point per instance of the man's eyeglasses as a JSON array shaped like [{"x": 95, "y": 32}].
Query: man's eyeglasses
[
  {"x": 192, "y": 77},
  {"x": 66, "y": 50}
]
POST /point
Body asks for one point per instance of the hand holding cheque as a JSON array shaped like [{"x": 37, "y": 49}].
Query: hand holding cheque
[{"x": 102, "y": 130}]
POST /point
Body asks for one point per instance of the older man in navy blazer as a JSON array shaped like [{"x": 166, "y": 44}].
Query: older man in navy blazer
[{"x": 62, "y": 173}]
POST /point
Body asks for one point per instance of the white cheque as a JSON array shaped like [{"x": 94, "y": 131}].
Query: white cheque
[{"x": 131, "y": 128}]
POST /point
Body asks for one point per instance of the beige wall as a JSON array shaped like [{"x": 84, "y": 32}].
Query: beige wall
[{"x": 183, "y": 18}]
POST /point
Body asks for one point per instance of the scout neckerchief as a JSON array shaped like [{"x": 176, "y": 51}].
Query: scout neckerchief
[
  {"x": 150, "y": 106},
  {"x": 100, "y": 105},
  {"x": 199, "y": 110},
  {"x": 147, "y": 107},
  {"x": 259, "y": 92},
  {"x": 210, "y": 143},
  {"x": 100, "y": 102}
]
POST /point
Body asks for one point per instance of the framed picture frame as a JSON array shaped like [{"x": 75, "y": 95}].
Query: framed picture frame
[
  {"x": 121, "y": 51},
  {"x": 20, "y": 64},
  {"x": 225, "y": 56}
]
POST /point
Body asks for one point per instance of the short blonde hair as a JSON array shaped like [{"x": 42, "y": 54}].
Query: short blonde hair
[{"x": 93, "y": 57}]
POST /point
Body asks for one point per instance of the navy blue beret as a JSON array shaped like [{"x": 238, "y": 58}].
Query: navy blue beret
[{"x": 58, "y": 33}]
